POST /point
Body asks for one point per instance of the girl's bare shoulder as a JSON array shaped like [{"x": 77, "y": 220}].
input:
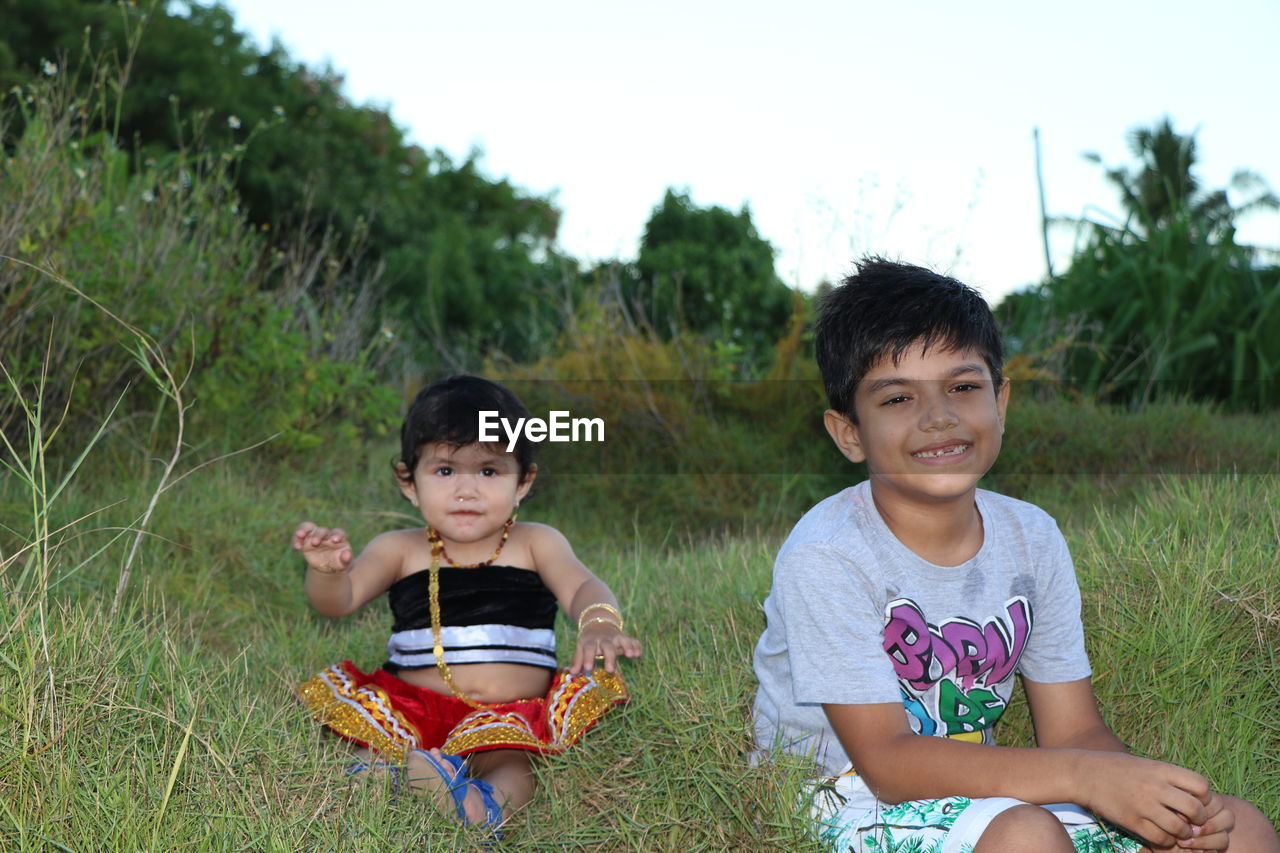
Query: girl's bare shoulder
[
  {"x": 403, "y": 551},
  {"x": 535, "y": 529},
  {"x": 538, "y": 537}
]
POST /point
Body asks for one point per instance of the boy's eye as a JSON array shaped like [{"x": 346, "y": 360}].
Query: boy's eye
[
  {"x": 966, "y": 386},
  {"x": 900, "y": 398},
  {"x": 489, "y": 472},
  {"x": 443, "y": 471}
]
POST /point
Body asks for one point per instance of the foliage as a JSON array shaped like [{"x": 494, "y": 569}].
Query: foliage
[
  {"x": 709, "y": 271},
  {"x": 270, "y": 341},
  {"x": 1175, "y": 314},
  {"x": 1079, "y": 452},
  {"x": 1164, "y": 184},
  {"x": 466, "y": 258},
  {"x": 680, "y": 422},
  {"x": 1169, "y": 305}
]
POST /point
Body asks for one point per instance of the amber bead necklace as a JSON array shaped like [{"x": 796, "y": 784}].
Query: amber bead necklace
[{"x": 433, "y": 585}]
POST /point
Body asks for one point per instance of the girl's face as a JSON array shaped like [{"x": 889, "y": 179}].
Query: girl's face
[{"x": 466, "y": 493}]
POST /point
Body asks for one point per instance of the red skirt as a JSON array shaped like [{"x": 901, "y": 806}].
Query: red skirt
[{"x": 391, "y": 716}]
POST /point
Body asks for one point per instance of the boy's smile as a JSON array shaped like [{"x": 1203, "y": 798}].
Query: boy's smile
[{"x": 928, "y": 426}]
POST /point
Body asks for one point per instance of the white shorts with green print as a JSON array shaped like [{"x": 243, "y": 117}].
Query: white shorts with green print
[{"x": 850, "y": 820}]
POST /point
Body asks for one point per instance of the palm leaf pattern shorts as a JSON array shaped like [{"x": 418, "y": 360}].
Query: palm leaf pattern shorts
[{"x": 947, "y": 825}]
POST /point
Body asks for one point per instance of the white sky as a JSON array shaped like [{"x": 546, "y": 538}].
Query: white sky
[{"x": 847, "y": 127}]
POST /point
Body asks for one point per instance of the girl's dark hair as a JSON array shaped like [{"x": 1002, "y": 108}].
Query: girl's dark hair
[
  {"x": 448, "y": 412},
  {"x": 885, "y": 308}
]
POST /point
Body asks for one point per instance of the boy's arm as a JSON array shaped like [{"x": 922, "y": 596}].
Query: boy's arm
[
  {"x": 1147, "y": 797},
  {"x": 1066, "y": 715}
]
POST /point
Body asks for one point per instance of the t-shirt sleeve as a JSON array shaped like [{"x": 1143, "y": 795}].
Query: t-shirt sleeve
[
  {"x": 1056, "y": 652},
  {"x": 834, "y": 629}
]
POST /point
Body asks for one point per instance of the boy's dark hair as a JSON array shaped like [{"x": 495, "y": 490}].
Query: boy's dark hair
[
  {"x": 448, "y": 412},
  {"x": 885, "y": 308}
]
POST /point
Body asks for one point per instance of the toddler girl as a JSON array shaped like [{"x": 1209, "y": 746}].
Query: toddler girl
[{"x": 472, "y": 660}]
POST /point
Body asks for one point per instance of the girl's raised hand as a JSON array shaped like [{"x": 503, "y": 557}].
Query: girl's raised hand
[
  {"x": 325, "y": 549},
  {"x": 602, "y": 640}
]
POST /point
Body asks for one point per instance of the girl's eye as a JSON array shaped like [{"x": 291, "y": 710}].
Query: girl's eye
[
  {"x": 444, "y": 471},
  {"x": 488, "y": 472}
]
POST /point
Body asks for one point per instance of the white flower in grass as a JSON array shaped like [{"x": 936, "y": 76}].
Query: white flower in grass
[
  {"x": 233, "y": 122},
  {"x": 387, "y": 334},
  {"x": 49, "y": 68},
  {"x": 148, "y": 196},
  {"x": 80, "y": 173},
  {"x": 278, "y": 110}
]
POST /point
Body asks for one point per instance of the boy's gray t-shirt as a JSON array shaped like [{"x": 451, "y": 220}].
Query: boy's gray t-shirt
[{"x": 855, "y": 617}]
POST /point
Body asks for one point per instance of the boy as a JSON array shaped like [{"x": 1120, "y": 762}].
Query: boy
[{"x": 904, "y": 605}]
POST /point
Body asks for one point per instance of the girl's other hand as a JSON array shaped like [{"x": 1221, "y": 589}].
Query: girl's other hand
[
  {"x": 602, "y": 641},
  {"x": 325, "y": 549}
]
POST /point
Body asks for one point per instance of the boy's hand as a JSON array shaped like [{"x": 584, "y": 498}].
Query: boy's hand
[
  {"x": 1162, "y": 803},
  {"x": 1214, "y": 833},
  {"x": 325, "y": 549},
  {"x": 602, "y": 640}
]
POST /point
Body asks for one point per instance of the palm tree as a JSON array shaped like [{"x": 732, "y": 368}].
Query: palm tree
[{"x": 1164, "y": 184}]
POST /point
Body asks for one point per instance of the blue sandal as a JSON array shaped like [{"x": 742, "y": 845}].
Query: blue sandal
[
  {"x": 454, "y": 773},
  {"x": 361, "y": 765}
]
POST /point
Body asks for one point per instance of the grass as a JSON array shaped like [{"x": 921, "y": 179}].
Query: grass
[{"x": 168, "y": 724}]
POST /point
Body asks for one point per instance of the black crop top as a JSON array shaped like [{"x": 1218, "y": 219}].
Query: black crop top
[{"x": 493, "y": 614}]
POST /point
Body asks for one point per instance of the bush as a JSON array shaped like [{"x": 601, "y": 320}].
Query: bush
[
  {"x": 269, "y": 341},
  {"x": 689, "y": 443},
  {"x": 1178, "y": 313}
]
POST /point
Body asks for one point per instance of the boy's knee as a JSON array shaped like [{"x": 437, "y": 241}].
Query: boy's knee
[
  {"x": 1024, "y": 829},
  {"x": 1253, "y": 831}
]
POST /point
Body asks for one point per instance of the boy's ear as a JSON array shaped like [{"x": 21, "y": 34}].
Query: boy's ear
[
  {"x": 844, "y": 433},
  {"x": 527, "y": 483},
  {"x": 1002, "y": 401}
]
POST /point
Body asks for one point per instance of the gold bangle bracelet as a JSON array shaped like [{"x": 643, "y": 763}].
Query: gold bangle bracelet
[
  {"x": 599, "y": 605},
  {"x": 604, "y": 619}
]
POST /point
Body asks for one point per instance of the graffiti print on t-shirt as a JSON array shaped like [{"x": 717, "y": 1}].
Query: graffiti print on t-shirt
[{"x": 957, "y": 676}]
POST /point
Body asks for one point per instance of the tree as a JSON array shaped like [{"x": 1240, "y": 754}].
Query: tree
[
  {"x": 466, "y": 259},
  {"x": 1168, "y": 304},
  {"x": 709, "y": 270},
  {"x": 1164, "y": 184}
]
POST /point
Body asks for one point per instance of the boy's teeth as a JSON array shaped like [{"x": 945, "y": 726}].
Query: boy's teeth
[{"x": 949, "y": 451}]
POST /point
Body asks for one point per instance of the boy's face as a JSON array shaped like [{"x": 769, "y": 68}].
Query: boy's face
[{"x": 928, "y": 426}]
